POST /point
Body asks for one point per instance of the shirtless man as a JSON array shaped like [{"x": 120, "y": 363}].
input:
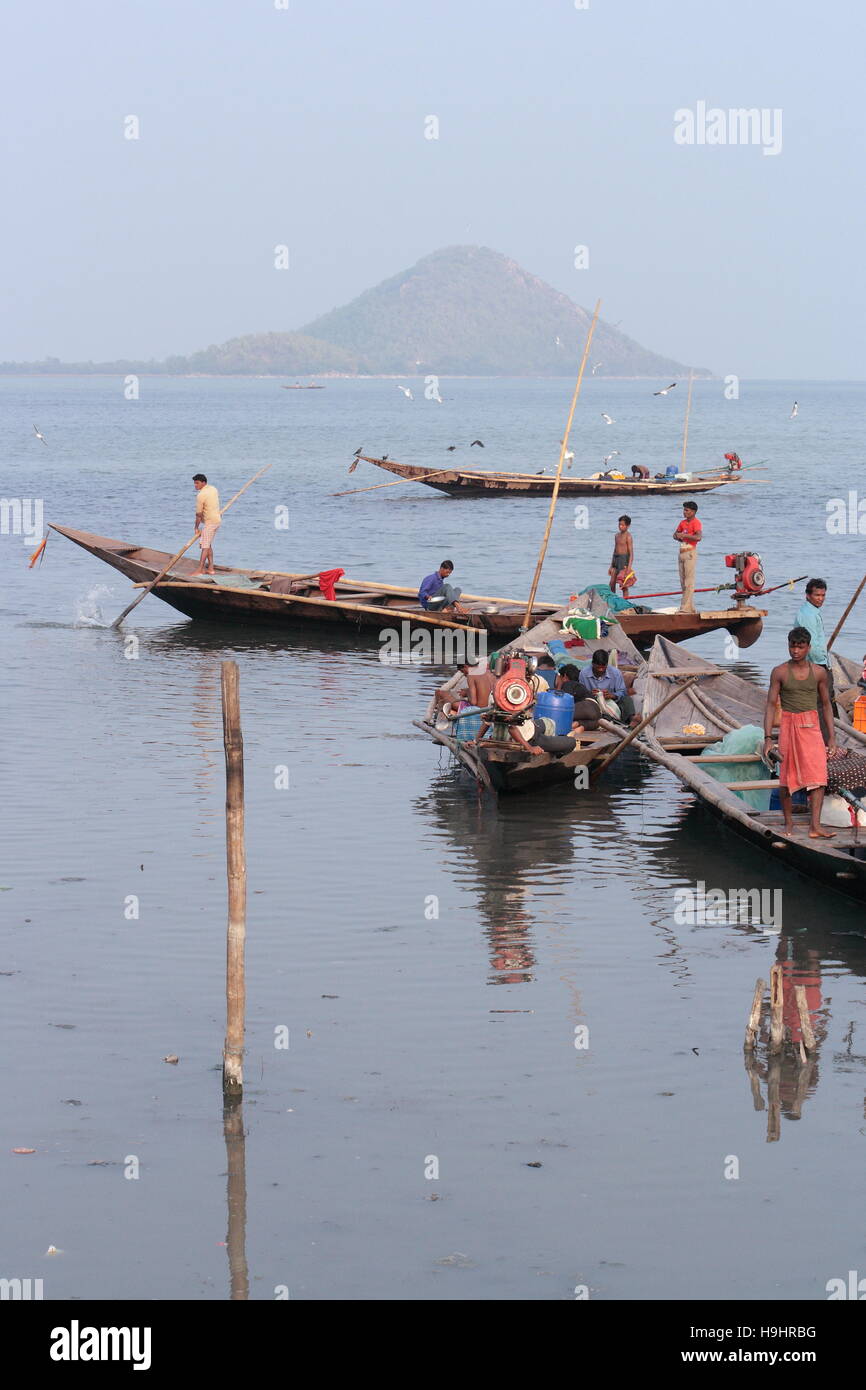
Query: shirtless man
[
  {"x": 622, "y": 561},
  {"x": 801, "y": 687}
]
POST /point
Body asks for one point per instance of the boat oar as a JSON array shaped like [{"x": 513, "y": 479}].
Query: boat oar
[
  {"x": 838, "y": 628},
  {"x": 174, "y": 559},
  {"x": 638, "y": 728},
  {"x": 353, "y": 491}
]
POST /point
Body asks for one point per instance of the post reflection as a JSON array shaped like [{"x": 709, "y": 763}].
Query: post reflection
[{"x": 236, "y": 1198}]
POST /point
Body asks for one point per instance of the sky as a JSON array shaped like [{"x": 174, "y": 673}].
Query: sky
[{"x": 301, "y": 123}]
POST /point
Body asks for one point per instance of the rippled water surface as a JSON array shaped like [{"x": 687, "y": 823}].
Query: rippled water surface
[{"x": 431, "y": 954}]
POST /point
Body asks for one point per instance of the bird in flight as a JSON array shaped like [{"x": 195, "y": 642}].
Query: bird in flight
[
  {"x": 607, "y": 419},
  {"x": 595, "y": 367},
  {"x": 479, "y": 442},
  {"x": 451, "y": 448},
  {"x": 40, "y": 436},
  {"x": 406, "y": 392},
  {"x": 558, "y": 342},
  {"x": 666, "y": 389},
  {"x": 607, "y": 458},
  {"x": 794, "y": 412},
  {"x": 357, "y": 453},
  {"x": 384, "y": 458}
]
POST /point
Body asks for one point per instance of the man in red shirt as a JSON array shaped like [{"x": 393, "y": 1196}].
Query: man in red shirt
[{"x": 688, "y": 533}]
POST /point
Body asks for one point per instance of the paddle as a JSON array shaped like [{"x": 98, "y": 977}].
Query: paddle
[
  {"x": 638, "y": 728},
  {"x": 174, "y": 559},
  {"x": 838, "y": 628}
]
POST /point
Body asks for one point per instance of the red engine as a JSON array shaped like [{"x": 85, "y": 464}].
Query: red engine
[
  {"x": 750, "y": 575},
  {"x": 513, "y": 693}
]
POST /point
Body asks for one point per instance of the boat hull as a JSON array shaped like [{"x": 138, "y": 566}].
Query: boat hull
[{"x": 459, "y": 482}]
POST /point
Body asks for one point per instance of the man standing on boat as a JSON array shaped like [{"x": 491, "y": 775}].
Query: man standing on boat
[
  {"x": 435, "y": 594},
  {"x": 688, "y": 534},
  {"x": 802, "y": 689},
  {"x": 207, "y": 520},
  {"x": 809, "y": 617}
]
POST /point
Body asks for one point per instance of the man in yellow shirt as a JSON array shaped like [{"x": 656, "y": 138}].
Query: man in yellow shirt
[{"x": 207, "y": 520}]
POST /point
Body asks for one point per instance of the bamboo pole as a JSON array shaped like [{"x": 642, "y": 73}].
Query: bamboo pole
[
  {"x": 562, "y": 452},
  {"x": 174, "y": 559},
  {"x": 236, "y": 869},
  {"x": 805, "y": 1018},
  {"x": 774, "y": 1099},
  {"x": 641, "y": 726},
  {"x": 754, "y": 1016},
  {"x": 353, "y": 492},
  {"x": 838, "y": 628},
  {"x": 777, "y": 1027},
  {"x": 686, "y": 425}
]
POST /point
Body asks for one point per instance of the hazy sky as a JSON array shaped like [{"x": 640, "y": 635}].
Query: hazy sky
[{"x": 304, "y": 126}]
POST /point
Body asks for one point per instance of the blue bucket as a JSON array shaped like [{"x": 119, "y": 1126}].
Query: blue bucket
[{"x": 556, "y": 705}]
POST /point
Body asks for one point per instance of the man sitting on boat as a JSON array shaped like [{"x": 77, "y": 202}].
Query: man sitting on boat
[
  {"x": 602, "y": 678},
  {"x": 436, "y": 595},
  {"x": 801, "y": 687}
]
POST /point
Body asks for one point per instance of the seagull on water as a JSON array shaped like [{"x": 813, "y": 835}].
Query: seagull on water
[
  {"x": 406, "y": 392},
  {"x": 607, "y": 419},
  {"x": 40, "y": 436},
  {"x": 666, "y": 389},
  {"x": 792, "y": 416}
]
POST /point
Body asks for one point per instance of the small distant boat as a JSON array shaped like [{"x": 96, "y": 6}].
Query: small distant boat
[
  {"x": 298, "y": 386},
  {"x": 466, "y": 482}
]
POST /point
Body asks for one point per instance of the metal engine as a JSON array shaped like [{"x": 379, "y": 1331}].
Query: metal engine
[{"x": 749, "y": 574}]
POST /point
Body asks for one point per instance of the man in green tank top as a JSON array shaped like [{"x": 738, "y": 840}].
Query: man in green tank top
[{"x": 802, "y": 689}]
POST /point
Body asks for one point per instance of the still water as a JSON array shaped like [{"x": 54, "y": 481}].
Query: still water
[{"x": 434, "y": 958}]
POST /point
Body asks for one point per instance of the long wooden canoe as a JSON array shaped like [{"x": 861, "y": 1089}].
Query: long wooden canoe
[
  {"x": 722, "y": 702},
  {"x": 271, "y": 596},
  {"x": 465, "y": 482}
]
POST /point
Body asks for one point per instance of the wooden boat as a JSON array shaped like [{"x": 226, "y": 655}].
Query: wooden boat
[
  {"x": 465, "y": 482},
  {"x": 299, "y": 387},
  {"x": 742, "y": 621},
  {"x": 722, "y": 702},
  {"x": 272, "y": 596},
  {"x": 502, "y": 766}
]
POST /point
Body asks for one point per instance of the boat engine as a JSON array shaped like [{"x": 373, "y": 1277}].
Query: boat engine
[
  {"x": 750, "y": 575},
  {"x": 512, "y": 692}
]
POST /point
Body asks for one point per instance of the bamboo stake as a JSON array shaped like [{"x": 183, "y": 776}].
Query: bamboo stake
[
  {"x": 236, "y": 869},
  {"x": 686, "y": 425},
  {"x": 754, "y": 1016},
  {"x": 838, "y": 628},
  {"x": 777, "y": 1027},
  {"x": 174, "y": 559},
  {"x": 805, "y": 1018},
  {"x": 678, "y": 690},
  {"x": 774, "y": 1100},
  {"x": 562, "y": 452}
]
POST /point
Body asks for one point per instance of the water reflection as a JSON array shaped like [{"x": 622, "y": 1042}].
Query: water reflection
[{"x": 236, "y": 1198}]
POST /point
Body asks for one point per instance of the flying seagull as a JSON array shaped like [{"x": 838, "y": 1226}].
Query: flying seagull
[
  {"x": 40, "y": 436},
  {"x": 479, "y": 442},
  {"x": 451, "y": 448},
  {"x": 595, "y": 367},
  {"x": 406, "y": 392},
  {"x": 607, "y": 458},
  {"x": 607, "y": 419},
  {"x": 384, "y": 458},
  {"x": 558, "y": 342},
  {"x": 792, "y": 416},
  {"x": 666, "y": 389},
  {"x": 357, "y": 453}
]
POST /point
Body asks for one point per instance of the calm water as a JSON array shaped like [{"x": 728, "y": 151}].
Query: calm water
[{"x": 412, "y": 1036}]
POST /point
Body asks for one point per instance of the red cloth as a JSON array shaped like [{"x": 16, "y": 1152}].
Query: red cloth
[
  {"x": 801, "y": 745},
  {"x": 327, "y": 580}
]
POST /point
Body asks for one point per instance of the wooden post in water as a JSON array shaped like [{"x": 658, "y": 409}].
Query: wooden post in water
[
  {"x": 777, "y": 1027},
  {"x": 236, "y": 868},
  {"x": 805, "y": 1018},
  {"x": 754, "y": 1016}
]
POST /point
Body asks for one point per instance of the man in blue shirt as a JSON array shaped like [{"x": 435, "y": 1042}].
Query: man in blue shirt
[
  {"x": 435, "y": 595},
  {"x": 600, "y": 676},
  {"x": 809, "y": 617}
]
